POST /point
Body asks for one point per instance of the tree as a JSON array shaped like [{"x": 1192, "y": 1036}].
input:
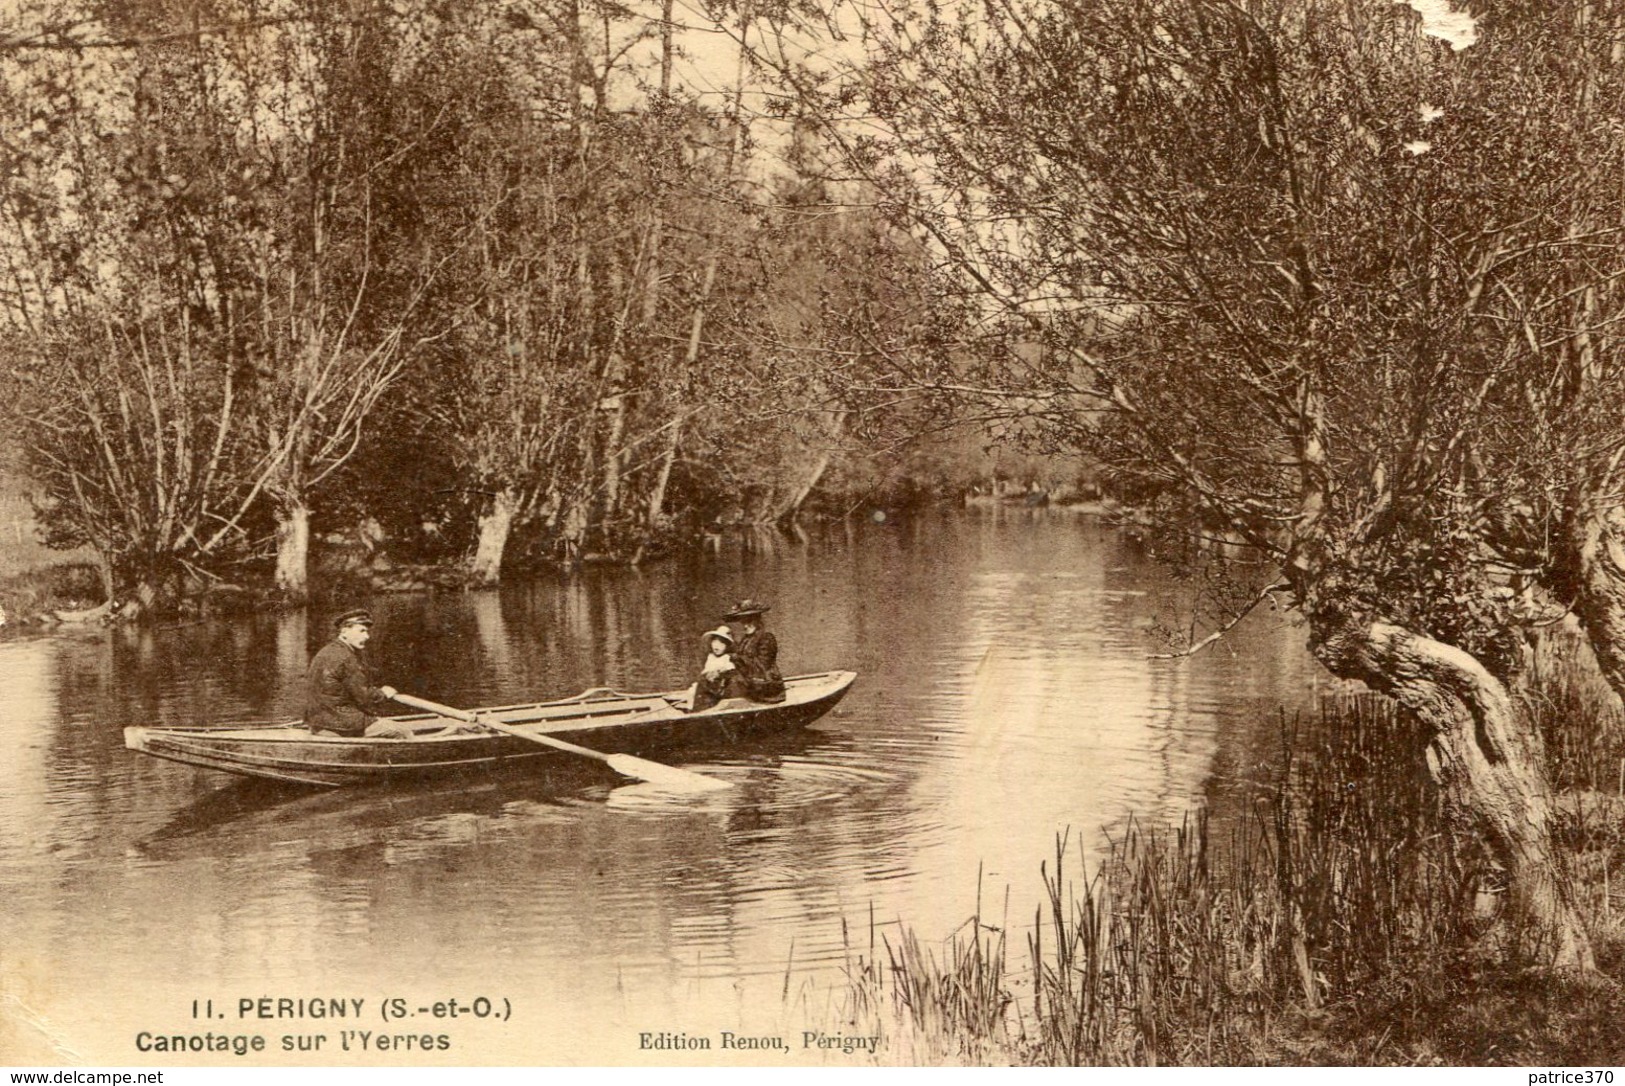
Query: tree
[
  {"x": 589, "y": 219},
  {"x": 207, "y": 204},
  {"x": 319, "y": 299},
  {"x": 1294, "y": 269},
  {"x": 131, "y": 405},
  {"x": 840, "y": 309}
]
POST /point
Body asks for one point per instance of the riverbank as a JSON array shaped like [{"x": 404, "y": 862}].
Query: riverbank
[
  {"x": 1329, "y": 918},
  {"x": 43, "y": 588}
]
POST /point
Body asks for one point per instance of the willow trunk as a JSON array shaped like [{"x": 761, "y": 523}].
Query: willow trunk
[
  {"x": 293, "y": 551},
  {"x": 1487, "y": 758},
  {"x": 495, "y": 526}
]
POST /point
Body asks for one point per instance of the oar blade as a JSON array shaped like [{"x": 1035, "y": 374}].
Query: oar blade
[{"x": 679, "y": 780}]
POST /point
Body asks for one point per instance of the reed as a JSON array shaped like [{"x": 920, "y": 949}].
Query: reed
[
  {"x": 1336, "y": 920},
  {"x": 1583, "y": 729},
  {"x": 947, "y": 1006},
  {"x": 1579, "y": 718}
]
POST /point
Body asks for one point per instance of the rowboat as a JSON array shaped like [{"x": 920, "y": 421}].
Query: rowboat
[{"x": 601, "y": 719}]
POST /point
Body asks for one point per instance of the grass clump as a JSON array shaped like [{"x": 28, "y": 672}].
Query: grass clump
[{"x": 1338, "y": 920}]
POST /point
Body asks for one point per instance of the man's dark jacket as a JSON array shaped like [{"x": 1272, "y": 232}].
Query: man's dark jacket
[
  {"x": 339, "y": 689},
  {"x": 756, "y": 664}
]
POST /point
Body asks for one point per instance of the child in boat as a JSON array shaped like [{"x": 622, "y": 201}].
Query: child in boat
[{"x": 712, "y": 685}]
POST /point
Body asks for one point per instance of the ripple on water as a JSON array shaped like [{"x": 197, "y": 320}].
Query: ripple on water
[
  {"x": 792, "y": 783},
  {"x": 1005, "y": 695}
]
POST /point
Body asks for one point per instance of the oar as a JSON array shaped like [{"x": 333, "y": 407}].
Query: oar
[{"x": 639, "y": 768}]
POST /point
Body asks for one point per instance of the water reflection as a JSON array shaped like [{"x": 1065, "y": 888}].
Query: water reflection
[{"x": 1005, "y": 694}]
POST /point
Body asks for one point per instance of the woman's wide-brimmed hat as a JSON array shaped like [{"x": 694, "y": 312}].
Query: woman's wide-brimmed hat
[
  {"x": 721, "y": 631},
  {"x": 747, "y": 608}
]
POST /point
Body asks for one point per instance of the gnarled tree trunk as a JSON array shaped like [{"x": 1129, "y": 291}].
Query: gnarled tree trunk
[
  {"x": 293, "y": 551},
  {"x": 1594, "y": 562},
  {"x": 789, "y": 513},
  {"x": 152, "y": 587},
  {"x": 1486, "y": 756},
  {"x": 496, "y": 524}
]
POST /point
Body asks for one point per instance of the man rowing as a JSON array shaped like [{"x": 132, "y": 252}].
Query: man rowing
[
  {"x": 755, "y": 655},
  {"x": 341, "y": 691}
]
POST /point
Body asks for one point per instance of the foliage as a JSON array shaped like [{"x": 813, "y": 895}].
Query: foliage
[
  {"x": 461, "y": 271},
  {"x": 1280, "y": 265},
  {"x": 1305, "y": 277},
  {"x": 193, "y": 284}
]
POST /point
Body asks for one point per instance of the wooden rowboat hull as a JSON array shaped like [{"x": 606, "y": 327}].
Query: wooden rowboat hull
[{"x": 604, "y": 720}]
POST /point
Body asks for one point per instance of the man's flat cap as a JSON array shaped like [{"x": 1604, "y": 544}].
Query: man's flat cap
[{"x": 358, "y": 617}]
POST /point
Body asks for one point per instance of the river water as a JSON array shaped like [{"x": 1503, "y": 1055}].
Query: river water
[{"x": 1006, "y": 694}]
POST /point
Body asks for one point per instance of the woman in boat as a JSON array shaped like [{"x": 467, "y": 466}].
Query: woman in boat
[
  {"x": 712, "y": 685},
  {"x": 756, "y": 656}
]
